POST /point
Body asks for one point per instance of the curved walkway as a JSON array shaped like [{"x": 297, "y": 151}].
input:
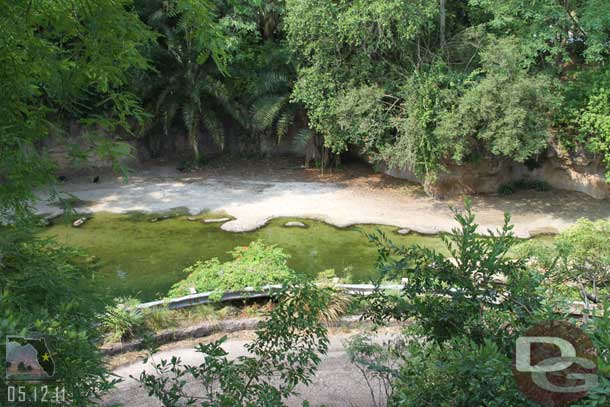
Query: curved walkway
[{"x": 337, "y": 382}]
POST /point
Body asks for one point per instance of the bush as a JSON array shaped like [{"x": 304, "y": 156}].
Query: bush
[
  {"x": 377, "y": 362},
  {"x": 598, "y": 330},
  {"x": 584, "y": 118},
  {"x": 122, "y": 320},
  {"x": 522, "y": 185},
  {"x": 503, "y": 111},
  {"x": 254, "y": 266},
  {"x": 579, "y": 256},
  {"x": 284, "y": 354},
  {"x": 449, "y": 295},
  {"x": 459, "y": 373},
  {"x": 47, "y": 288}
]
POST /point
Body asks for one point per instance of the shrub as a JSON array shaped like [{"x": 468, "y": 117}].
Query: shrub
[
  {"x": 579, "y": 256},
  {"x": 285, "y": 353},
  {"x": 254, "y": 266},
  {"x": 377, "y": 362},
  {"x": 122, "y": 320},
  {"x": 449, "y": 295},
  {"x": 459, "y": 373},
  {"x": 48, "y": 289},
  {"x": 522, "y": 185},
  {"x": 584, "y": 119},
  {"x": 598, "y": 330}
]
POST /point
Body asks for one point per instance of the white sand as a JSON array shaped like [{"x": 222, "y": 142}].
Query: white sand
[{"x": 253, "y": 202}]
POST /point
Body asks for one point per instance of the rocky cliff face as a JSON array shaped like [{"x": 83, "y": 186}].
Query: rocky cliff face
[{"x": 575, "y": 172}]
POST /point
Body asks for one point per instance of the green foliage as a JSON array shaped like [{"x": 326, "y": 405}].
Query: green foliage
[
  {"x": 272, "y": 109},
  {"x": 595, "y": 125},
  {"x": 378, "y": 363},
  {"x": 63, "y": 61},
  {"x": 503, "y": 110},
  {"x": 48, "y": 289},
  {"x": 416, "y": 88},
  {"x": 523, "y": 185},
  {"x": 190, "y": 60},
  {"x": 459, "y": 373},
  {"x": 583, "y": 118},
  {"x": 418, "y": 145},
  {"x": 346, "y": 53},
  {"x": 580, "y": 256},
  {"x": 376, "y": 74},
  {"x": 598, "y": 330},
  {"x": 285, "y": 353},
  {"x": 552, "y": 30},
  {"x": 122, "y": 320},
  {"x": 255, "y": 265},
  {"x": 472, "y": 292}
]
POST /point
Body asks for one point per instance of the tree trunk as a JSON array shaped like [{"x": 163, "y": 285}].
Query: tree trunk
[
  {"x": 194, "y": 143},
  {"x": 442, "y": 20}
]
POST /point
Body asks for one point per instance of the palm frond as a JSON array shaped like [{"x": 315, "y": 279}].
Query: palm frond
[
  {"x": 266, "y": 110},
  {"x": 270, "y": 83},
  {"x": 214, "y": 126},
  {"x": 302, "y": 138},
  {"x": 283, "y": 124}
]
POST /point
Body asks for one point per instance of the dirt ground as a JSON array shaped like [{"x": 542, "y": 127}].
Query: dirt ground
[{"x": 253, "y": 192}]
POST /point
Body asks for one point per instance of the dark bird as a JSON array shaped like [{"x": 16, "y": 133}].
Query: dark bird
[
  {"x": 62, "y": 178},
  {"x": 96, "y": 180}
]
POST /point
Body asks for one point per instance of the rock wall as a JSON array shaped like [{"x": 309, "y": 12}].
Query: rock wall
[
  {"x": 576, "y": 172},
  {"x": 60, "y": 150},
  {"x": 176, "y": 147}
]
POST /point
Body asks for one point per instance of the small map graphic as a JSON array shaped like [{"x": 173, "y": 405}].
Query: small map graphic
[{"x": 28, "y": 359}]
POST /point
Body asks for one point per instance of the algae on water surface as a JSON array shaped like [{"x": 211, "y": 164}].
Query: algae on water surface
[{"x": 143, "y": 258}]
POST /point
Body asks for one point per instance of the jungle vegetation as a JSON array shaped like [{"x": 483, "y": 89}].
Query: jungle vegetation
[{"x": 414, "y": 83}]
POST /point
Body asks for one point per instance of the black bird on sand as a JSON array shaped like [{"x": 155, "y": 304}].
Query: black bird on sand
[
  {"x": 96, "y": 180},
  {"x": 62, "y": 178}
]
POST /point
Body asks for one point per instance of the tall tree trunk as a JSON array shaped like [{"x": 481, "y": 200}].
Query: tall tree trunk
[
  {"x": 194, "y": 143},
  {"x": 442, "y": 21}
]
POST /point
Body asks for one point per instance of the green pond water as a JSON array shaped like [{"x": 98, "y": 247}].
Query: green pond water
[{"x": 143, "y": 258}]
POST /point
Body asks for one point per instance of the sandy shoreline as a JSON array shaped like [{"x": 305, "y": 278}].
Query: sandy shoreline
[{"x": 253, "y": 201}]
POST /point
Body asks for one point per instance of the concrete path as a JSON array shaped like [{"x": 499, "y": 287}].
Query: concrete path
[
  {"x": 254, "y": 201},
  {"x": 337, "y": 382}
]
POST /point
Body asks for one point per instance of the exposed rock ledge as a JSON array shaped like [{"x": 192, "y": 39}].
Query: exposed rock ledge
[{"x": 558, "y": 169}]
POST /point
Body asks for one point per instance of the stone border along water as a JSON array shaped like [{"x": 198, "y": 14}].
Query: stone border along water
[
  {"x": 576, "y": 307},
  {"x": 247, "y": 324},
  {"x": 205, "y": 329},
  {"x": 251, "y": 293}
]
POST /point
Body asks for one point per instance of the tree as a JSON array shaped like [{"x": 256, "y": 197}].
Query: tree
[
  {"x": 190, "y": 61},
  {"x": 423, "y": 85},
  {"x": 60, "y": 61},
  {"x": 579, "y": 256},
  {"x": 48, "y": 289},
  {"x": 271, "y": 108}
]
